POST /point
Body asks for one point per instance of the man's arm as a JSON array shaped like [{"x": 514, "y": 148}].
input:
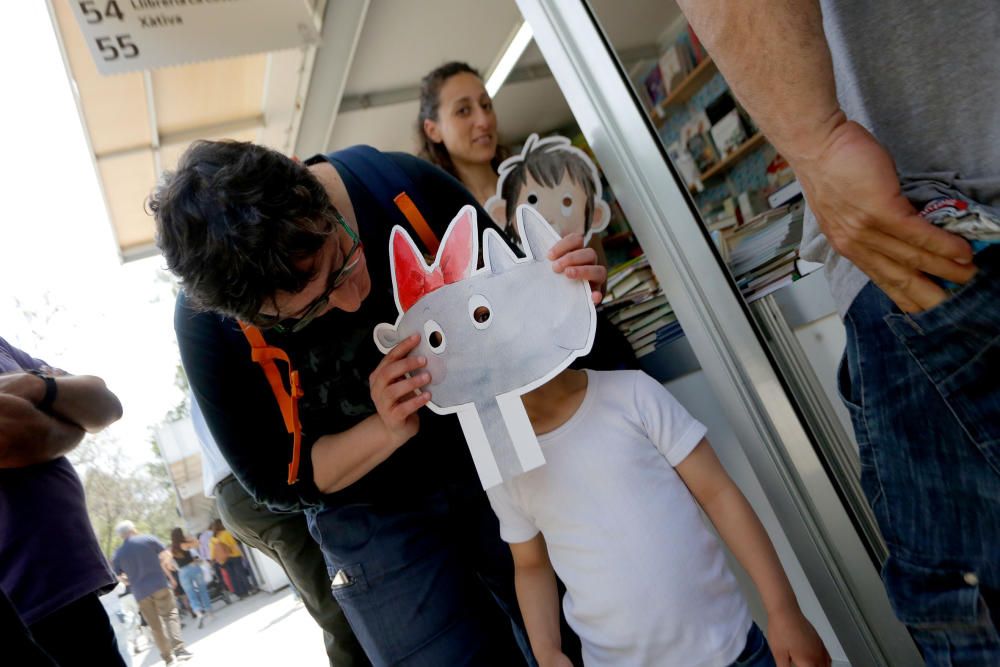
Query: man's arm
[
  {"x": 29, "y": 436},
  {"x": 792, "y": 638},
  {"x": 776, "y": 59},
  {"x": 538, "y": 598},
  {"x": 83, "y": 400},
  {"x": 340, "y": 459}
]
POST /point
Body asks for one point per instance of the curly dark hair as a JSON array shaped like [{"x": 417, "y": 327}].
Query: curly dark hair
[
  {"x": 237, "y": 223},
  {"x": 430, "y": 101}
]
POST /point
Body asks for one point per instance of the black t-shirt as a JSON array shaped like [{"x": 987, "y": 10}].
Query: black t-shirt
[
  {"x": 334, "y": 356},
  {"x": 182, "y": 557}
]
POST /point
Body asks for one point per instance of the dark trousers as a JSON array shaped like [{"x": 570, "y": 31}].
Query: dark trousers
[
  {"x": 78, "y": 634},
  {"x": 924, "y": 395},
  {"x": 285, "y": 539},
  {"x": 426, "y": 584},
  {"x": 236, "y": 567}
]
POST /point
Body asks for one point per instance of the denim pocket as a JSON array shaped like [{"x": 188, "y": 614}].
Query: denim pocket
[
  {"x": 348, "y": 582},
  {"x": 957, "y": 345},
  {"x": 926, "y": 598}
]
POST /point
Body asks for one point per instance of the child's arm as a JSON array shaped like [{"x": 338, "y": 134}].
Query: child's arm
[
  {"x": 535, "y": 582},
  {"x": 792, "y": 638}
]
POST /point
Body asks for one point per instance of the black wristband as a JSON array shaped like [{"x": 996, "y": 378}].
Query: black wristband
[{"x": 50, "y": 390}]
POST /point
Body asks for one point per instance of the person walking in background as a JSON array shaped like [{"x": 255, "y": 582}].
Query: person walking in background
[
  {"x": 139, "y": 558},
  {"x": 226, "y": 552},
  {"x": 189, "y": 572},
  {"x": 874, "y": 140},
  {"x": 52, "y": 570}
]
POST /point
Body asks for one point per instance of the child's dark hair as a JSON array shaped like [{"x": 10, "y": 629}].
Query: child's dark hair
[
  {"x": 430, "y": 101},
  {"x": 546, "y": 162}
]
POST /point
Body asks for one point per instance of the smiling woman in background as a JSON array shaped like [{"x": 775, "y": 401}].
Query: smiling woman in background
[{"x": 457, "y": 127}]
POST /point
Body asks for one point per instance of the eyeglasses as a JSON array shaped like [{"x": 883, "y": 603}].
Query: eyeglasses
[{"x": 317, "y": 305}]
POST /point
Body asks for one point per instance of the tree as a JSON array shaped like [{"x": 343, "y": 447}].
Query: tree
[{"x": 142, "y": 495}]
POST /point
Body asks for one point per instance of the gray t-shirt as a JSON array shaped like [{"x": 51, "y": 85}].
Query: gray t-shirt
[{"x": 924, "y": 77}]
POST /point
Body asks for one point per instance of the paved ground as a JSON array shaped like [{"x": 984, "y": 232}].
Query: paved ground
[{"x": 264, "y": 629}]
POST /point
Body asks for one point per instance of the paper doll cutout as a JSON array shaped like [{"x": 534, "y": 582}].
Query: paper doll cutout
[
  {"x": 557, "y": 179},
  {"x": 489, "y": 335}
]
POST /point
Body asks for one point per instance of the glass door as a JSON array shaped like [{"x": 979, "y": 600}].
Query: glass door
[{"x": 758, "y": 327}]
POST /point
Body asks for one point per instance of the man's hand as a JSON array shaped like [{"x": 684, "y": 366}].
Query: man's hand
[
  {"x": 571, "y": 257},
  {"x": 29, "y": 436},
  {"x": 393, "y": 392},
  {"x": 83, "y": 400},
  {"x": 852, "y": 186},
  {"x": 794, "y": 641}
]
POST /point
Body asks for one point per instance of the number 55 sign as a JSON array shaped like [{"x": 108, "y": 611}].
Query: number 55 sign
[{"x": 129, "y": 35}]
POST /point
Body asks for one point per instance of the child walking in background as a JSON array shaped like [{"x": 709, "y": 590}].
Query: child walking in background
[{"x": 615, "y": 512}]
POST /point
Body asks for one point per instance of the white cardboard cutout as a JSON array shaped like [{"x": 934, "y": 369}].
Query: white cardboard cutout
[
  {"x": 560, "y": 153},
  {"x": 539, "y": 322}
]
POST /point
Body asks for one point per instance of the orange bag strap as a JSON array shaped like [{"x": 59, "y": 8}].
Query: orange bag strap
[
  {"x": 288, "y": 401},
  {"x": 265, "y": 354},
  {"x": 416, "y": 220}
]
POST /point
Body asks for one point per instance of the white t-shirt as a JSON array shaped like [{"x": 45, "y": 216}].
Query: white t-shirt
[{"x": 647, "y": 582}]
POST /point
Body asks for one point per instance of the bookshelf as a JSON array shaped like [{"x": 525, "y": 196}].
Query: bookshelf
[
  {"x": 728, "y": 162},
  {"x": 686, "y": 89}
]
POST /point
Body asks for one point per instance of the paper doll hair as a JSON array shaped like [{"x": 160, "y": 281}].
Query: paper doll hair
[{"x": 547, "y": 160}]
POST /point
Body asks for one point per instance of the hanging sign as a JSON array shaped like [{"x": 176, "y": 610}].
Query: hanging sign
[{"x": 131, "y": 35}]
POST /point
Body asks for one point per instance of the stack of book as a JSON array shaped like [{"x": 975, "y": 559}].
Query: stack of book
[
  {"x": 763, "y": 254},
  {"x": 635, "y": 303}
]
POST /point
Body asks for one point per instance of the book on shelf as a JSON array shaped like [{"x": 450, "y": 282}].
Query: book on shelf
[
  {"x": 663, "y": 336},
  {"x": 641, "y": 279},
  {"x": 610, "y": 304},
  {"x": 675, "y": 64},
  {"x": 785, "y": 194},
  {"x": 625, "y": 269},
  {"x": 763, "y": 254},
  {"x": 767, "y": 289},
  {"x": 655, "y": 85},
  {"x": 637, "y": 308},
  {"x": 646, "y": 319},
  {"x": 652, "y": 327}
]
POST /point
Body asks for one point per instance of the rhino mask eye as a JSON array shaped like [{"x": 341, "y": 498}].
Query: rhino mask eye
[
  {"x": 435, "y": 336},
  {"x": 480, "y": 311}
]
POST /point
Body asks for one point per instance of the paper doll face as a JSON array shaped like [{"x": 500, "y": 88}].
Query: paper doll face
[{"x": 564, "y": 206}]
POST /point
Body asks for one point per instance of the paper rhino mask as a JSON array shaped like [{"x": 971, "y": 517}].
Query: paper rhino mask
[
  {"x": 557, "y": 179},
  {"x": 489, "y": 335}
]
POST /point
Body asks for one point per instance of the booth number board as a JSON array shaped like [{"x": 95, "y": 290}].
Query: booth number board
[{"x": 130, "y": 35}]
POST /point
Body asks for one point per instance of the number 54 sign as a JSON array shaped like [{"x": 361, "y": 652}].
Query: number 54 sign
[{"x": 130, "y": 35}]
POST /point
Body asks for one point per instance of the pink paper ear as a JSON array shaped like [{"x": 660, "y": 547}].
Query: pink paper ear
[
  {"x": 409, "y": 272},
  {"x": 457, "y": 261}
]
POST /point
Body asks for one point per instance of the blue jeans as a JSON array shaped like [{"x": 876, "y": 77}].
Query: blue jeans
[
  {"x": 195, "y": 588},
  {"x": 924, "y": 396},
  {"x": 757, "y": 652},
  {"x": 428, "y": 584}
]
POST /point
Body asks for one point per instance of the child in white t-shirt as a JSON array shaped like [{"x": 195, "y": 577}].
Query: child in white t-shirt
[{"x": 615, "y": 512}]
